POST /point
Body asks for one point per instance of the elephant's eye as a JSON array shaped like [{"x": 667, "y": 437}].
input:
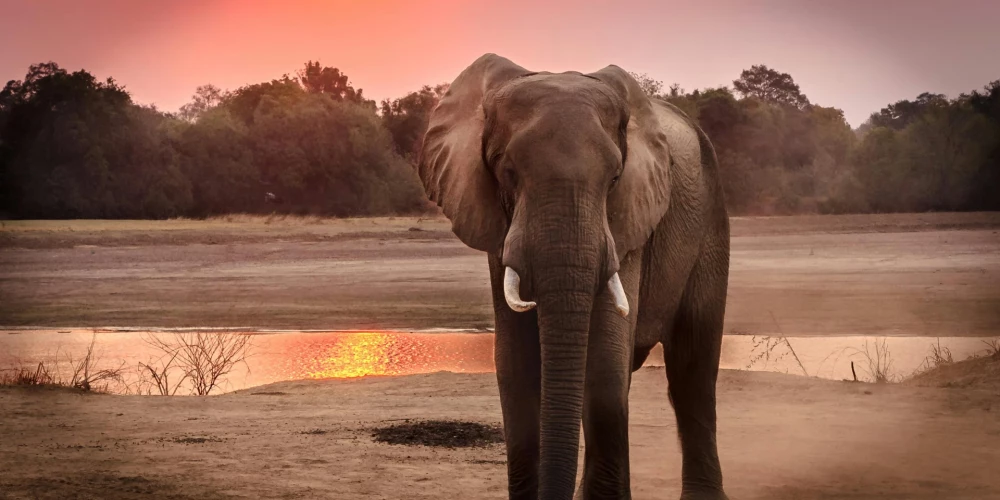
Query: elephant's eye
[
  {"x": 508, "y": 179},
  {"x": 614, "y": 180}
]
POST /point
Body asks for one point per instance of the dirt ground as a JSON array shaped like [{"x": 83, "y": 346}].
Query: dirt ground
[
  {"x": 907, "y": 274},
  {"x": 780, "y": 437}
]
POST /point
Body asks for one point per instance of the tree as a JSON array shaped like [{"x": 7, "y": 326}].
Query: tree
[
  {"x": 205, "y": 98},
  {"x": 986, "y": 186},
  {"x": 216, "y": 155},
  {"x": 406, "y": 118},
  {"x": 243, "y": 102},
  {"x": 901, "y": 114},
  {"x": 648, "y": 85},
  {"x": 72, "y": 145},
  {"x": 330, "y": 81},
  {"x": 768, "y": 85},
  {"x": 831, "y": 132},
  {"x": 332, "y": 157},
  {"x": 943, "y": 150},
  {"x": 77, "y": 147}
]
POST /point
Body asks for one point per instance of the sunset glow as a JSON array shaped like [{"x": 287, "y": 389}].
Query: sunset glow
[{"x": 853, "y": 55}]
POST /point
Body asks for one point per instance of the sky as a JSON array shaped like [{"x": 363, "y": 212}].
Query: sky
[{"x": 854, "y": 55}]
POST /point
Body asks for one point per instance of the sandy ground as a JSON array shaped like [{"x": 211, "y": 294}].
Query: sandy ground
[
  {"x": 781, "y": 437},
  {"x": 909, "y": 274}
]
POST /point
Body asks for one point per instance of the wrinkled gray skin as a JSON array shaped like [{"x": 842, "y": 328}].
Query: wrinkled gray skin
[{"x": 568, "y": 178}]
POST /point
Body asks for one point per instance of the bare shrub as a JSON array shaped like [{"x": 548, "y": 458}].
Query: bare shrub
[
  {"x": 157, "y": 377},
  {"x": 993, "y": 347},
  {"x": 87, "y": 377},
  {"x": 203, "y": 359},
  {"x": 878, "y": 360}
]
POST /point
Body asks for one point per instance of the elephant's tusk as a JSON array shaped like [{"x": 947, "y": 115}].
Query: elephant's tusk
[
  {"x": 512, "y": 292},
  {"x": 621, "y": 302}
]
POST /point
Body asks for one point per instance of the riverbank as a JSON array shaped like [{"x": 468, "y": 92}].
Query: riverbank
[{"x": 904, "y": 274}]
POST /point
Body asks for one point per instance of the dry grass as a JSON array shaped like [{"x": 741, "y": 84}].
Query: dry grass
[
  {"x": 765, "y": 349},
  {"x": 877, "y": 361},
  {"x": 24, "y": 376},
  {"x": 941, "y": 370},
  {"x": 938, "y": 356},
  {"x": 83, "y": 374}
]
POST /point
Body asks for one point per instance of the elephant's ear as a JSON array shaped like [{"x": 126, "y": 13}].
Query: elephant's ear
[
  {"x": 642, "y": 196},
  {"x": 451, "y": 163}
]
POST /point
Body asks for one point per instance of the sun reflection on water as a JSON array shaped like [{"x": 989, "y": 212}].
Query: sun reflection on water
[
  {"x": 357, "y": 355},
  {"x": 392, "y": 353}
]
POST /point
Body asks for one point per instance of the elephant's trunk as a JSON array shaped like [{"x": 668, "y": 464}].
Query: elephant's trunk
[
  {"x": 564, "y": 321},
  {"x": 567, "y": 265}
]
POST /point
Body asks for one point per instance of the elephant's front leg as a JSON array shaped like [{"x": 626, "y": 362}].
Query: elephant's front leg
[
  {"x": 609, "y": 373},
  {"x": 518, "y": 360}
]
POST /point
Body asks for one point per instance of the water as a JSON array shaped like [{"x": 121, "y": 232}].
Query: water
[{"x": 280, "y": 356}]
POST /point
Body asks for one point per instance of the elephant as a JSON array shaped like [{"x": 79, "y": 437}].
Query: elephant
[{"x": 602, "y": 216}]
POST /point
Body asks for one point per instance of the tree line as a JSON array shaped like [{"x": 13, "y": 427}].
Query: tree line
[{"x": 73, "y": 146}]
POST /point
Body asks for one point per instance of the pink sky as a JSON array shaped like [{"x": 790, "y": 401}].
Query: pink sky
[{"x": 855, "y": 55}]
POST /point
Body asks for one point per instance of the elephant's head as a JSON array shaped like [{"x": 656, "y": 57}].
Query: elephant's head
[{"x": 561, "y": 175}]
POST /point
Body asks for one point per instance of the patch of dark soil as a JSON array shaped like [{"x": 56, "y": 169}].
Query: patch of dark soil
[
  {"x": 195, "y": 440},
  {"x": 488, "y": 462},
  {"x": 440, "y": 433},
  {"x": 269, "y": 393},
  {"x": 315, "y": 432}
]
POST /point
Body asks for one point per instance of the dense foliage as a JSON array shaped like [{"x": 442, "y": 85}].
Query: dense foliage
[
  {"x": 781, "y": 154},
  {"x": 73, "y": 146}
]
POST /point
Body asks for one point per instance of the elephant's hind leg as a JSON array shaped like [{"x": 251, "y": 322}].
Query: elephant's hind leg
[{"x": 691, "y": 354}]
